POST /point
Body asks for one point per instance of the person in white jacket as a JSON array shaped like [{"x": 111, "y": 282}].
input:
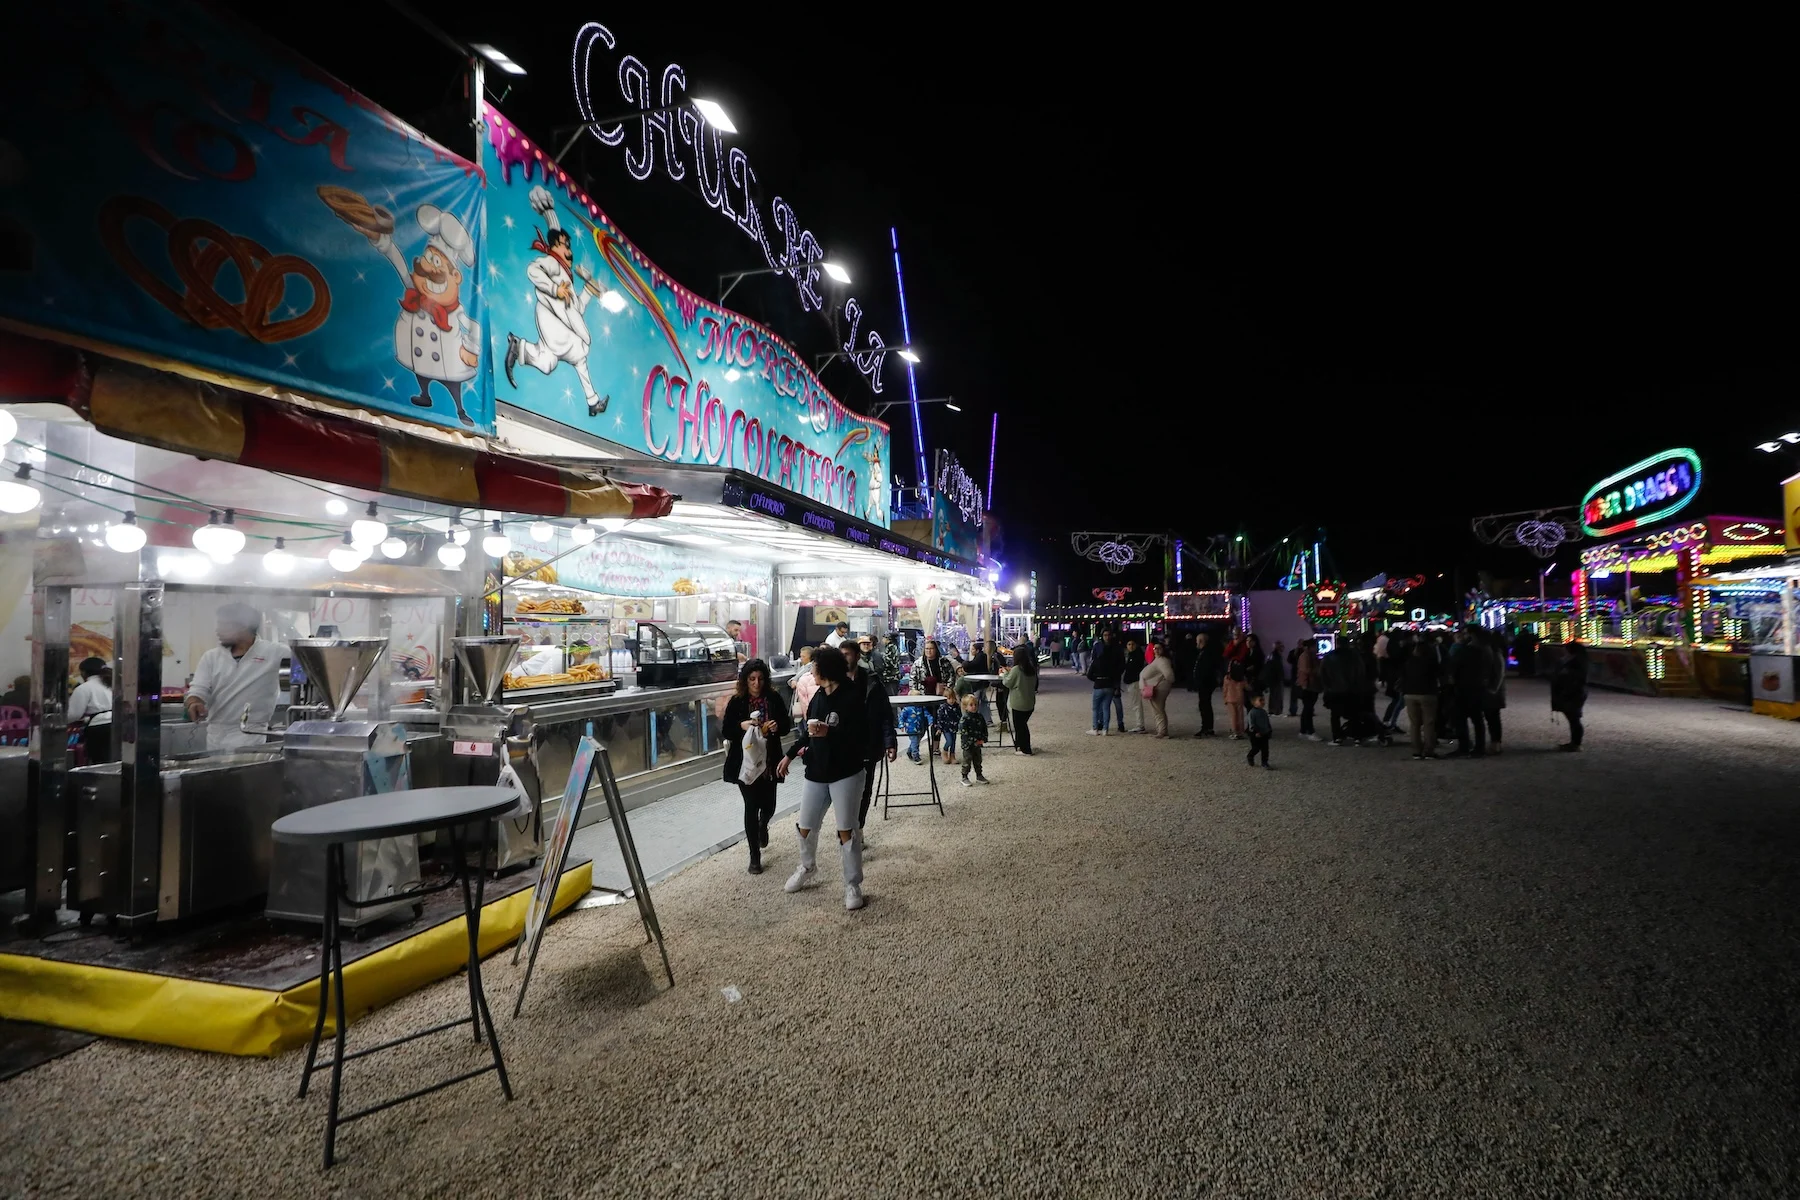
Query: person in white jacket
[
  {"x": 1159, "y": 676},
  {"x": 563, "y": 292}
]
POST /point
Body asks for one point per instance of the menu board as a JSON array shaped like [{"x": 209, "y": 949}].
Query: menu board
[{"x": 556, "y": 850}]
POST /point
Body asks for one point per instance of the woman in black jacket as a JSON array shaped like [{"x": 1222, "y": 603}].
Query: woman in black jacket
[
  {"x": 1568, "y": 691},
  {"x": 832, "y": 742},
  {"x": 755, "y": 706}
]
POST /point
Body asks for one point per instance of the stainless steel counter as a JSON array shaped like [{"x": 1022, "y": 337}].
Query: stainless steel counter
[{"x": 646, "y": 731}]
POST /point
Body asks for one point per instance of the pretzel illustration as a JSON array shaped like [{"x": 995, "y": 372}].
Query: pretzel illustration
[{"x": 198, "y": 250}]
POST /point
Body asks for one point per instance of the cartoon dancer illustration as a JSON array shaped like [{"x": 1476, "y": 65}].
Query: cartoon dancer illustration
[
  {"x": 562, "y": 328},
  {"x": 434, "y": 337}
]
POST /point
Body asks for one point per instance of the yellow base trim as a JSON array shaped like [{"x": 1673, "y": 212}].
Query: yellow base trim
[
  {"x": 230, "y": 1019},
  {"x": 1774, "y": 708}
]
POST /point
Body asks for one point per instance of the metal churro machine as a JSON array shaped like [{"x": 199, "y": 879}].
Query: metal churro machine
[
  {"x": 486, "y": 737},
  {"x": 335, "y": 759}
]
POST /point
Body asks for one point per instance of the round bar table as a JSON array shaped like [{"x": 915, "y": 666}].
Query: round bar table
[
  {"x": 395, "y": 814},
  {"x": 931, "y": 705}
]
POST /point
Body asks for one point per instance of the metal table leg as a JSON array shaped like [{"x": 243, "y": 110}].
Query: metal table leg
[
  {"x": 936, "y": 798},
  {"x": 334, "y": 874},
  {"x": 331, "y": 972},
  {"x": 478, "y": 1007}
]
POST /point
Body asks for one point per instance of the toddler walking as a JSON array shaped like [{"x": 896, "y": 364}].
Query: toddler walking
[
  {"x": 972, "y": 734},
  {"x": 1261, "y": 730}
]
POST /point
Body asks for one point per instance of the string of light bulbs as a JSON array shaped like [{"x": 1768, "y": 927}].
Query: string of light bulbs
[{"x": 221, "y": 539}]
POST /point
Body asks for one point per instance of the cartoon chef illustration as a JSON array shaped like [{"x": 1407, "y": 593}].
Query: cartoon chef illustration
[
  {"x": 434, "y": 338},
  {"x": 877, "y": 484},
  {"x": 563, "y": 292}
]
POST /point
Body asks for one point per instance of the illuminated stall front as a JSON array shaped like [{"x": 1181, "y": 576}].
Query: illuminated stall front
[{"x": 1645, "y": 598}]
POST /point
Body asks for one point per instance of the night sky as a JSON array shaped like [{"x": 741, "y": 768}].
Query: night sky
[{"x": 1219, "y": 285}]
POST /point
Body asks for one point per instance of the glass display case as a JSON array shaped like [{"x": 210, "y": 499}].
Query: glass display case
[
  {"x": 672, "y": 655},
  {"x": 561, "y": 645}
]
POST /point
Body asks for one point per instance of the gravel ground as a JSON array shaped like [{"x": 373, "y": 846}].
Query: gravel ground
[{"x": 1127, "y": 968}]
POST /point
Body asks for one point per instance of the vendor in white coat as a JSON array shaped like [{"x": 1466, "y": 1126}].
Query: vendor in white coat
[
  {"x": 242, "y": 670},
  {"x": 92, "y": 703}
]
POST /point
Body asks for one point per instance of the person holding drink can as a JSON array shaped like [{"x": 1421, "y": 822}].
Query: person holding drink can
[{"x": 832, "y": 742}]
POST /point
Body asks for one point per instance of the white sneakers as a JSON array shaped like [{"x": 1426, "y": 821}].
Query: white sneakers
[
  {"x": 1093, "y": 733},
  {"x": 853, "y": 897}
]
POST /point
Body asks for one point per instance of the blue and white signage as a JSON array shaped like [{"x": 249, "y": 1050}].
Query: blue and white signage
[{"x": 585, "y": 330}]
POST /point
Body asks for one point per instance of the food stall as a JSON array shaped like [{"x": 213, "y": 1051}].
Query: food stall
[
  {"x": 1655, "y": 618},
  {"x": 738, "y": 569},
  {"x": 354, "y": 443}
]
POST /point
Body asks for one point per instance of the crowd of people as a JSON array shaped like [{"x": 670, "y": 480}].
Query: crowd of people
[
  {"x": 1450, "y": 688},
  {"x": 843, "y": 727}
]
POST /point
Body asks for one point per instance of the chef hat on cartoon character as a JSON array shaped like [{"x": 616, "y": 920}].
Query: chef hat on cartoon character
[{"x": 446, "y": 234}]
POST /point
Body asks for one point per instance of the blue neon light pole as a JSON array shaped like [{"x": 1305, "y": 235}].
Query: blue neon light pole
[
  {"x": 912, "y": 380},
  {"x": 993, "y": 442}
]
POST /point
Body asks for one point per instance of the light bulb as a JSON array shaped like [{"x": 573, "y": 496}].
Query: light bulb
[
  {"x": 584, "y": 532},
  {"x": 9, "y": 427},
  {"x": 336, "y": 507},
  {"x": 459, "y": 533},
  {"x": 611, "y": 524},
  {"x": 451, "y": 554},
  {"x": 127, "y": 537},
  {"x": 542, "y": 531},
  {"x": 392, "y": 547},
  {"x": 611, "y": 301},
  {"x": 19, "y": 494},
  {"x": 496, "y": 543},
  {"x": 217, "y": 539},
  {"x": 368, "y": 530},
  {"x": 345, "y": 556},
  {"x": 278, "y": 561}
]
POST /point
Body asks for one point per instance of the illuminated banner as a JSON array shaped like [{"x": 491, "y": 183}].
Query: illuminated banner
[
  {"x": 956, "y": 508},
  {"x": 1642, "y": 494},
  {"x": 1192, "y": 606},
  {"x": 586, "y": 331},
  {"x": 174, "y": 184},
  {"x": 691, "y": 148},
  {"x": 617, "y": 566}
]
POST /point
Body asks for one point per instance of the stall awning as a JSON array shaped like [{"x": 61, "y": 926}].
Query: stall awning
[{"x": 209, "y": 420}]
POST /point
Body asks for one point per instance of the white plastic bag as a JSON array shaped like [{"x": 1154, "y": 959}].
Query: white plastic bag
[{"x": 756, "y": 756}]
